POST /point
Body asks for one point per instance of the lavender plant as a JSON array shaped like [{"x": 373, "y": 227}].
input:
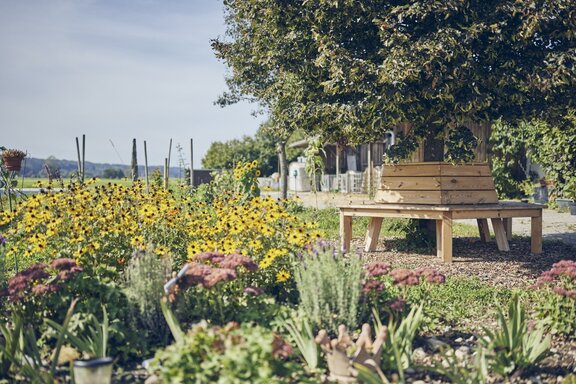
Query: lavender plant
[{"x": 330, "y": 286}]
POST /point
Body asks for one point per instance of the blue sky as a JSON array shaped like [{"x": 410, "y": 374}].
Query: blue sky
[{"x": 114, "y": 70}]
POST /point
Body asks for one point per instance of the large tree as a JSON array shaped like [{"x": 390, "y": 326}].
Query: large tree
[{"x": 349, "y": 70}]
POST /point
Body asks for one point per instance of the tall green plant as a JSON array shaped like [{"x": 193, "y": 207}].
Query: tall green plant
[
  {"x": 19, "y": 352},
  {"x": 329, "y": 284},
  {"x": 512, "y": 346},
  {"x": 94, "y": 343},
  {"x": 397, "y": 348},
  {"x": 144, "y": 279},
  {"x": 301, "y": 332}
]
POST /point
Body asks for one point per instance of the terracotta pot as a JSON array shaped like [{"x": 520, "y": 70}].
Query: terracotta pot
[{"x": 13, "y": 164}]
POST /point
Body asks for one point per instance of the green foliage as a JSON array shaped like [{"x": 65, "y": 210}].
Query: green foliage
[
  {"x": 261, "y": 147},
  {"x": 397, "y": 348},
  {"x": 94, "y": 342},
  {"x": 329, "y": 284},
  {"x": 556, "y": 298},
  {"x": 460, "y": 145},
  {"x": 19, "y": 353},
  {"x": 553, "y": 147},
  {"x": 455, "y": 301},
  {"x": 242, "y": 180},
  {"x": 230, "y": 354},
  {"x": 225, "y": 155},
  {"x": 349, "y": 70},
  {"x": 156, "y": 178},
  {"x": 144, "y": 279},
  {"x": 172, "y": 321},
  {"x": 513, "y": 346},
  {"x": 302, "y": 335},
  {"x": 314, "y": 161}
]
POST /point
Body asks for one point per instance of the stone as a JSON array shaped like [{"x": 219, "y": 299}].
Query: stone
[
  {"x": 419, "y": 354},
  {"x": 435, "y": 345}
]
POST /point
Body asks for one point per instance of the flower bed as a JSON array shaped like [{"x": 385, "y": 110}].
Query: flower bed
[{"x": 220, "y": 285}]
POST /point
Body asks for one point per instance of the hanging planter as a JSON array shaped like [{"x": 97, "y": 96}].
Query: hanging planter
[{"x": 12, "y": 159}]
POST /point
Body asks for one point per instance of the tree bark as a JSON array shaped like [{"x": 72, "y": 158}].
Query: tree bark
[
  {"x": 283, "y": 164},
  {"x": 433, "y": 151}
]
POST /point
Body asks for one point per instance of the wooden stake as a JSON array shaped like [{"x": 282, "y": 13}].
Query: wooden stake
[
  {"x": 146, "y": 168},
  {"x": 83, "y": 157},
  {"x": 169, "y": 153},
  {"x": 191, "y": 162},
  {"x": 166, "y": 173},
  {"x": 79, "y": 158},
  {"x": 134, "y": 164}
]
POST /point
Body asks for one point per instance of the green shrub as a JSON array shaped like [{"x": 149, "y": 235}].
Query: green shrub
[
  {"x": 556, "y": 303},
  {"x": 397, "y": 347},
  {"x": 329, "y": 284},
  {"x": 144, "y": 279},
  {"x": 512, "y": 346},
  {"x": 230, "y": 354}
]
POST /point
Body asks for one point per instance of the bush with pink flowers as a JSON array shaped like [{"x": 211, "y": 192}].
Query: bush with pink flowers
[{"x": 557, "y": 297}]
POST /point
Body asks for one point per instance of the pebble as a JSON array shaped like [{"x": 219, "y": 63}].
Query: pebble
[
  {"x": 434, "y": 344},
  {"x": 459, "y": 340},
  {"x": 462, "y": 353},
  {"x": 419, "y": 354},
  {"x": 152, "y": 380}
]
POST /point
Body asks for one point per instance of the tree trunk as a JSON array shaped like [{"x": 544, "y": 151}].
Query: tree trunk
[
  {"x": 283, "y": 164},
  {"x": 433, "y": 151}
]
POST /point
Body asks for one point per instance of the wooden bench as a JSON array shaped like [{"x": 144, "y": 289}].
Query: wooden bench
[{"x": 500, "y": 214}]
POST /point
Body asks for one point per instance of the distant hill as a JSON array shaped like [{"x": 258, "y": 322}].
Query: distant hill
[{"x": 33, "y": 167}]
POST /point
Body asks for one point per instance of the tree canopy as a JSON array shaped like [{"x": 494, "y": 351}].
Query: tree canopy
[
  {"x": 261, "y": 147},
  {"x": 349, "y": 70}
]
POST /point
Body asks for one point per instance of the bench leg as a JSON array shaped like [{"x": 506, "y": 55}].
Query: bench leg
[
  {"x": 500, "y": 234},
  {"x": 372, "y": 234},
  {"x": 345, "y": 232},
  {"x": 444, "y": 238},
  {"x": 483, "y": 230},
  {"x": 536, "y": 234},
  {"x": 508, "y": 227}
]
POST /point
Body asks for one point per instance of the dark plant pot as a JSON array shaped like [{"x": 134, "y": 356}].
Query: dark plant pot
[
  {"x": 93, "y": 371},
  {"x": 573, "y": 209},
  {"x": 13, "y": 164},
  {"x": 540, "y": 195},
  {"x": 564, "y": 203}
]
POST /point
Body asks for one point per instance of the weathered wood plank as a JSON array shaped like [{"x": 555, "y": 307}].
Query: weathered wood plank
[
  {"x": 508, "y": 227},
  {"x": 411, "y": 197},
  {"x": 345, "y": 231},
  {"x": 536, "y": 234},
  {"x": 484, "y": 230},
  {"x": 449, "y": 183},
  {"x": 446, "y": 238},
  {"x": 500, "y": 234},
  {"x": 436, "y": 169},
  {"x": 469, "y": 197},
  {"x": 372, "y": 234},
  {"x": 436, "y": 197}
]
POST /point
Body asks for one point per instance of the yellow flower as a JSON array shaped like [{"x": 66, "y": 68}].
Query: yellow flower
[{"x": 282, "y": 276}]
